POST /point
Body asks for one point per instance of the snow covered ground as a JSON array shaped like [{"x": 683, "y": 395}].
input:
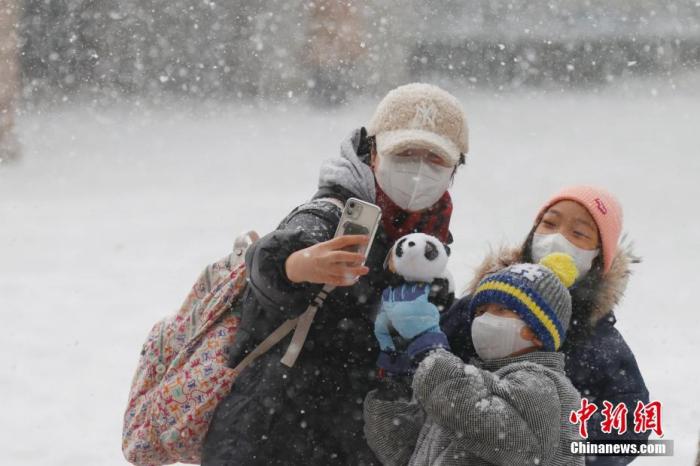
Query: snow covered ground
[{"x": 113, "y": 212}]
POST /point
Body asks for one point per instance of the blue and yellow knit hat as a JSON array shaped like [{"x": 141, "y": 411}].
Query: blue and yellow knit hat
[{"x": 538, "y": 293}]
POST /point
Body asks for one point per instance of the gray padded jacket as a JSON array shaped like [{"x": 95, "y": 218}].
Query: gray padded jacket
[{"x": 511, "y": 411}]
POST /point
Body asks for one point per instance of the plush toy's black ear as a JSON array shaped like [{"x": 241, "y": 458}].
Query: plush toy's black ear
[
  {"x": 399, "y": 247},
  {"x": 431, "y": 251},
  {"x": 447, "y": 250}
]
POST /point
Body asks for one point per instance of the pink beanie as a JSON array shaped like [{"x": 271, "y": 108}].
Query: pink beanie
[{"x": 605, "y": 210}]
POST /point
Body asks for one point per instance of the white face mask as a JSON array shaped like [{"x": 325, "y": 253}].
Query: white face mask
[
  {"x": 412, "y": 182},
  {"x": 496, "y": 337},
  {"x": 543, "y": 245}
]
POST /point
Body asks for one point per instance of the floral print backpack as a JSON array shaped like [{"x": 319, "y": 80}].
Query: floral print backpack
[{"x": 182, "y": 373}]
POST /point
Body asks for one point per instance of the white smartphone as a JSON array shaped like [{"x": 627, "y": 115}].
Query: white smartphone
[{"x": 359, "y": 218}]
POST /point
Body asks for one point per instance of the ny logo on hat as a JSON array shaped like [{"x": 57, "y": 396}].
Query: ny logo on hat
[
  {"x": 426, "y": 115},
  {"x": 530, "y": 271}
]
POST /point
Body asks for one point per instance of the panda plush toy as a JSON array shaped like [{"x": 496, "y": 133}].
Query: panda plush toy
[{"x": 422, "y": 287}]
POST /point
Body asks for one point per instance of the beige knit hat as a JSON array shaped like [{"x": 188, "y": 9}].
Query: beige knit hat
[{"x": 420, "y": 116}]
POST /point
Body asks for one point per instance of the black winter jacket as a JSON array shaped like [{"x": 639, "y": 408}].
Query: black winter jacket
[{"x": 311, "y": 413}]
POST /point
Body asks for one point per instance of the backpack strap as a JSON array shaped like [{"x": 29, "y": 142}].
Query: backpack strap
[
  {"x": 303, "y": 326},
  {"x": 267, "y": 344},
  {"x": 242, "y": 243},
  {"x": 305, "y": 320}
]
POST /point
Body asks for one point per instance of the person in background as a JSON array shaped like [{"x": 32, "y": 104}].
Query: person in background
[{"x": 334, "y": 37}]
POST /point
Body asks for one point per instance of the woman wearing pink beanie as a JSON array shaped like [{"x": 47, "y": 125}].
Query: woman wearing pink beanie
[{"x": 584, "y": 222}]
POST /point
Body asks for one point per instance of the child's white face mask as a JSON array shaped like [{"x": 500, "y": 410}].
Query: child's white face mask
[
  {"x": 496, "y": 337},
  {"x": 543, "y": 245},
  {"x": 412, "y": 182}
]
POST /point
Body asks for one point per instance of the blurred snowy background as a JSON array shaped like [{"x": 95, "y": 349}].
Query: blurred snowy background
[
  {"x": 329, "y": 50},
  {"x": 150, "y": 133}
]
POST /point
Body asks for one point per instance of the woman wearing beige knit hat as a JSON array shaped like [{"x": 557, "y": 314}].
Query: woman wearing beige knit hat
[{"x": 404, "y": 161}]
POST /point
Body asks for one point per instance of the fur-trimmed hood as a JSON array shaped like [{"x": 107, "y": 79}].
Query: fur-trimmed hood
[{"x": 612, "y": 287}]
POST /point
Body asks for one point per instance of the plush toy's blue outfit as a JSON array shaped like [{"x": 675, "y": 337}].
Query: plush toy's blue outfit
[{"x": 406, "y": 308}]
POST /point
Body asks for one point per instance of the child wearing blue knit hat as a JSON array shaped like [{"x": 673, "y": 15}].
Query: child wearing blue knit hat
[
  {"x": 523, "y": 307},
  {"x": 510, "y": 407}
]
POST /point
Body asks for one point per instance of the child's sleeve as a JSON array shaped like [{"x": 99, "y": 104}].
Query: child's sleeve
[
  {"x": 513, "y": 419},
  {"x": 392, "y": 424}
]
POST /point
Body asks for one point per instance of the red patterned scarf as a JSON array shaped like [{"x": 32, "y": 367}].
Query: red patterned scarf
[{"x": 433, "y": 221}]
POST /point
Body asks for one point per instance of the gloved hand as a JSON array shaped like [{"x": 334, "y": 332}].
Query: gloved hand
[
  {"x": 394, "y": 364},
  {"x": 408, "y": 310}
]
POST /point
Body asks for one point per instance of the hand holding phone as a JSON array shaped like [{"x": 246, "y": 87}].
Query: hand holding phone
[
  {"x": 329, "y": 262},
  {"x": 338, "y": 261}
]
